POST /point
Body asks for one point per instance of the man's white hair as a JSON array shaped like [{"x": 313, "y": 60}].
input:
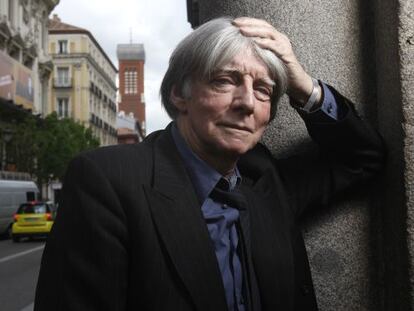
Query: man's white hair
[{"x": 209, "y": 48}]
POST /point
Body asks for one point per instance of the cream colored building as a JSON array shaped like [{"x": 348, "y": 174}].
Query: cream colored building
[
  {"x": 24, "y": 63},
  {"x": 82, "y": 85}
]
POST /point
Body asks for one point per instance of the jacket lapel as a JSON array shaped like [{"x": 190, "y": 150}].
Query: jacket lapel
[
  {"x": 178, "y": 218},
  {"x": 251, "y": 287},
  {"x": 270, "y": 244}
]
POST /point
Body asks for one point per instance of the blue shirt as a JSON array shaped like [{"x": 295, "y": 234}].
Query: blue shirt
[
  {"x": 329, "y": 105},
  {"x": 220, "y": 218}
]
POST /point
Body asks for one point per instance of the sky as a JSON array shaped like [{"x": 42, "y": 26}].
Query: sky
[{"x": 158, "y": 24}]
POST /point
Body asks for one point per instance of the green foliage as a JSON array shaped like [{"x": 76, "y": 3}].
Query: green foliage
[
  {"x": 44, "y": 148},
  {"x": 22, "y": 150}
]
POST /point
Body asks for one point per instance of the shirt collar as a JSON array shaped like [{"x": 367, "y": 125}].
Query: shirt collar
[{"x": 203, "y": 176}]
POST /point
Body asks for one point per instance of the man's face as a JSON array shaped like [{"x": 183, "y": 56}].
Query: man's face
[{"x": 226, "y": 116}]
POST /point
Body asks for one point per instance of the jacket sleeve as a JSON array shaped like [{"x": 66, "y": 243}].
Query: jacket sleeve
[
  {"x": 84, "y": 264},
  {"x": 351, "y": 153}
]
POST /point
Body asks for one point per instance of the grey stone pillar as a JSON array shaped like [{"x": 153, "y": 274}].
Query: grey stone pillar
[
  {"x": 359, "y": 250},
  {"x": 395, "y": 92}
]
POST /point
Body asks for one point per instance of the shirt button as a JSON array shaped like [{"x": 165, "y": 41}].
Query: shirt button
[
  {"x": 225, "y": 206},
  {"x": 330, "y": 108}
]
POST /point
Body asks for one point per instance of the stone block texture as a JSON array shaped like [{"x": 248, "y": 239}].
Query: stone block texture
[{"x": 360, "y": 249}]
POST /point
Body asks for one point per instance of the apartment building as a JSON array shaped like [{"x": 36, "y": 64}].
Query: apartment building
[
  {"x": 83, "y": 83},
  {"x": 25, "y": 67},
  {"x": 24, "y": 63}
]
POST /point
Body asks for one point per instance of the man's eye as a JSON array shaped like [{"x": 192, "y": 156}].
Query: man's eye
[
  {"x": 263, "y": 93},
  {"x": 222, "y": 81}
]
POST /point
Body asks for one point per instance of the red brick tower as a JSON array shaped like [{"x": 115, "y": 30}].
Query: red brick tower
[{"x": 131, "y": 59}]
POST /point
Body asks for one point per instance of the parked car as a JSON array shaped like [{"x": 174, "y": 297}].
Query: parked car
[
  {"x": 33, "y": 219},
  {"x": 12, "y": 194}
]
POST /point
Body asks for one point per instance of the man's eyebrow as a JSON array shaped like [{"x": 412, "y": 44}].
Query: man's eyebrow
[
  {"x": 226, "y": 71},
  {"x": 232, "y": 71},
  {"x": 267, "y": 81}
]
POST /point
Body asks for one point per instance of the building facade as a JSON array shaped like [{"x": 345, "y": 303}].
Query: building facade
[
  {"x": 83, "y": 83},
  {"x": 25, "y": 65},
  {"x": 131, "y": 59},
  {"x": 129, "y": 131}
]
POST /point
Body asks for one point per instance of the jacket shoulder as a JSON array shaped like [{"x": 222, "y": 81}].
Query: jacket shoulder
[
  {"x": 122, "y": 162},
  {"x": 256, "y": 162},
  {"x": 123, "y": 153}
]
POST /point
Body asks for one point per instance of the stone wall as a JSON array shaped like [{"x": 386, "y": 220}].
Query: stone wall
[{"x": 359, "y": 250}]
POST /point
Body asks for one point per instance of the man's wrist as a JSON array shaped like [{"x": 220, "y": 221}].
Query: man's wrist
[
  {"x": 314, "y": 99},
  {"x": 309, "y": 100},
  {"x": 302, "y": 92}
]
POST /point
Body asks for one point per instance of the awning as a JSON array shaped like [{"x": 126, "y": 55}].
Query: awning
[{"x": 10, "y": 111}]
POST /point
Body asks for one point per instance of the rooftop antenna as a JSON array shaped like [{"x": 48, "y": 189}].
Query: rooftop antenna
[{"x": 130, "y": 35}]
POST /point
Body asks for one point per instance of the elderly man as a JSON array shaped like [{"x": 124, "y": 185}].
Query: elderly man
[{"x": 200, "y": 216}]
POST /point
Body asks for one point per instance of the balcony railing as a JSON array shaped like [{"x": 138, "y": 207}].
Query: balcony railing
[{"x": 62, "y": 82}]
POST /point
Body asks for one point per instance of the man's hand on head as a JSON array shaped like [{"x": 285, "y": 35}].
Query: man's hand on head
[{"x": 266, "y": 36}]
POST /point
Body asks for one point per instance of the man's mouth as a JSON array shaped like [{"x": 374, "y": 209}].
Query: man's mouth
[{"x": 237, "y": 127}]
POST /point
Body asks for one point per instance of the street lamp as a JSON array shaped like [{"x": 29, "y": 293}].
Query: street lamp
[{"x": 6, "y": 136}]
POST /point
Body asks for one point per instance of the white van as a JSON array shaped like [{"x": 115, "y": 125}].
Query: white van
[{"x": 12, "y": 194}]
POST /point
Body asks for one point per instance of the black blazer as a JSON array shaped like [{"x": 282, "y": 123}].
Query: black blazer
[{"x": 130, "y": 234}]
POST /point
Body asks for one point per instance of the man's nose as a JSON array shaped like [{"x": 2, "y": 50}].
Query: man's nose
[{"x": 244, "y": 97}]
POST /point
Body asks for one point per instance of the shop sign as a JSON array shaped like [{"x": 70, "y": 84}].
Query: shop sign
[
  {"x": 16, "y": 82},
  {"x": 7, "y": 85}
]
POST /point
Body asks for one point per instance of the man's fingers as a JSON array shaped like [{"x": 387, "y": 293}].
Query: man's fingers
[
  {"x": 254, "y": 27},
  {"x": 267, "y": 37},
  {"x": 246, "y": 21},
  {"x": 266, "y": 43},
  {"x": 283, "y": 51},
  {"x": 259, "y": 31}
]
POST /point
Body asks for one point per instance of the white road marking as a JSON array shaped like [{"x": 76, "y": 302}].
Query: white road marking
[
  {"x": 7, "y": 258},
  {"x": 28, "y": 308}
]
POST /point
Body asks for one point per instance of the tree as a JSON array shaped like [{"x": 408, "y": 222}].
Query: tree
[
  {"x": 22, "y": 150},
  {"x": 59, "y": 141},
  {"x": 44, "y": 147}
]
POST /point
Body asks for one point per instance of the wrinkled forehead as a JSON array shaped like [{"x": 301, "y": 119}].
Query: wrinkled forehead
[
  {"x": 241, "y": 55},
  {"x": 247, "y": 62}
]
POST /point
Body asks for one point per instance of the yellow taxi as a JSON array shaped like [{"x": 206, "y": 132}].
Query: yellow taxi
[{"x": 32, "y": 219}]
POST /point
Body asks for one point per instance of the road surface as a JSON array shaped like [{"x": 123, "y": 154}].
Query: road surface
[{"x": 19, "y": 269}]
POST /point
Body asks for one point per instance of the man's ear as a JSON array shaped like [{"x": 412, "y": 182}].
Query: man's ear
[{"x": 178, "y": 100}]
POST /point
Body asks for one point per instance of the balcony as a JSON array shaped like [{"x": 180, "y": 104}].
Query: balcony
[{"x": 62, "y": 82}]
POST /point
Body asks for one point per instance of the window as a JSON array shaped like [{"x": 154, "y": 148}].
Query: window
[
  {"x": 30, "y": 196},
  {"x": 44, "y": 31},
  {"x": 63, "y": 107},
  {"x": 63, "y": 46},
  {"x": 130, "y": 81},
  {"x": 63, "y": 76},
  {"x": 126, "y": 82},
  {"x": 28, "y": 208},
  {"x": 12, "y": 9},
  {"x": 26, "y": 16}
]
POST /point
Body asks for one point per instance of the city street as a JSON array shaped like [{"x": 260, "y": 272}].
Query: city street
[{"x": 19, "y": 268}]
